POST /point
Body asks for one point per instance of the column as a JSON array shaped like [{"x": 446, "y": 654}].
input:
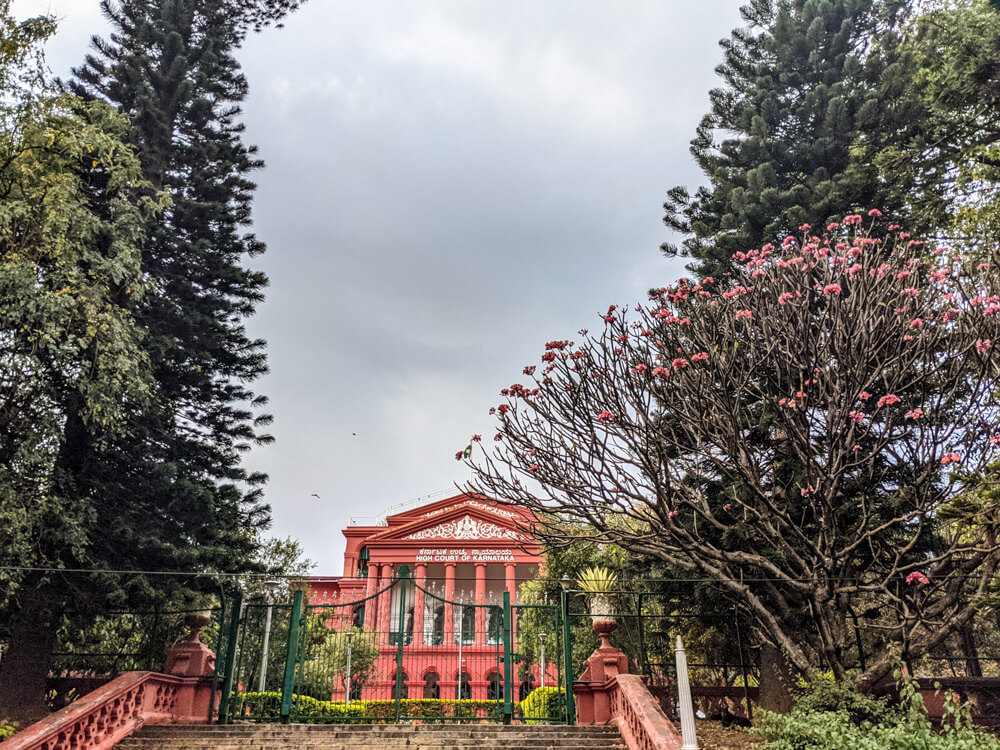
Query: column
[
  {"x": 449, "y": 610},
  {"x": 510, "y": 584},
  {"x": 418, "y": 605},
  {"x": 385, "y": 602},
  {"x": 371, "y": 609},
  {"x": 480, "y": 604}
]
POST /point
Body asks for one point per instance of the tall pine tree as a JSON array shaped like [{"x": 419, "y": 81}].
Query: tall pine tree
[
  {"x": 816, "y": 93},
  {"x": 169, "y": 492}
]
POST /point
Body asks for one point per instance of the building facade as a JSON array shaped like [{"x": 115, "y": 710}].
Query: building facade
[{"x": 456, "y": 558}]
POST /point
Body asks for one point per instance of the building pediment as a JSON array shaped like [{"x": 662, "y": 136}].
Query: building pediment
[{"x": 469, "y": 520}]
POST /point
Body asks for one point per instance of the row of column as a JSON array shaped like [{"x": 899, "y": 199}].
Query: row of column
[{"x": 381, "y": 613}]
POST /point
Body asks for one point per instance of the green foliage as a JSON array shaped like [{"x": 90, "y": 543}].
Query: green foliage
[
  {"x": 324, "y": 669},
  {"x": 813, "y": 94},
  {"x": 310, "y": 710},
  {"x": 836, "y": 717},
  {"x": 542, "y": 704},
  {"x": 596, "y": 580},
  {"x": 7, "y": 729}
]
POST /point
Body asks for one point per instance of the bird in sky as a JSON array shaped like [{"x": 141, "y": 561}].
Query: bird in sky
[{"x": 314, "y": 495}]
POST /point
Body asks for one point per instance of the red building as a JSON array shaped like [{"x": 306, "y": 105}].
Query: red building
[{"x": 462, "y": 553}]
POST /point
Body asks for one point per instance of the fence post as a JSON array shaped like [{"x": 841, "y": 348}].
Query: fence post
[
  {"x": 686, "y": 708},
  {"x": 292, "y": 657},
  {"x": 567, "y": 658},
  {"x": 401, "y": 638},
  {"x": 508, "y": 662},
  {"x": 229, "y": 667},
  {"x": 743, "y": 665}
]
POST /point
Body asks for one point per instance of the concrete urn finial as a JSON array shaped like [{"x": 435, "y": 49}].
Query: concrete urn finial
[{"x": 191, "y": 657}]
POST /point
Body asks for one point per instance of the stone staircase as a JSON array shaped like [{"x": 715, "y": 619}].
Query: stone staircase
[{"x": 379, "y": 736}]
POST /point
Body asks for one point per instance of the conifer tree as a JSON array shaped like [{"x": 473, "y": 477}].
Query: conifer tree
[
  {"x": 168, "y": 491},
  {"x": 815, "y": 93}
]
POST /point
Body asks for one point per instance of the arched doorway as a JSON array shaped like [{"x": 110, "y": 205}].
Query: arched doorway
[{"x": 432, "y": 688}]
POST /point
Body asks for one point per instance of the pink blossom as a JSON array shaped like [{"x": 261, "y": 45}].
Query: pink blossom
[
  {"x": 529, "y": 369},
  {"x": 995, "y": 439},
  {"x": 852, "y": 271},
  {"x": 983, "y": 345},
  {"x": 874, "y": 213},
  {"x": 557, "y": 345},
  {"x": 503, "y": 408},
  {"x": 805, "y": 227},
  {"x": 916, "y": 323},
  {"x": 888, "y": 400},
  {"x": 857, "y": 416},
  {"x": 660, "y": 372},
  {"x": 832, "y": 226},
  {"x": 903, "y": 275},
  {"x": 700, "y": 357},
  {"x": 727, "y": 506},
  {"x": 533, "y": 467},
  {"x": 678, "y": 363},
  {"x": 476, "y": 438},
  {"x": 785, "y": 298},
  {"x": 498, "y": 436},
  {"x": 864, "y": 395},
  {"x": 832, "y": 289},
  {"x": 806, "y": 491},
  {"x": 914, "y": 414},
  {"x": 852, "y": 220},
  {"x": 458, "y": 456},
  {"x": 606, "y": 416},
  {"x": 918, "y": 578},
  {"x": 950, "y": 458},
  {"x": 856, "y": 448},
  {"x": 743, "y": 314},
  {"x": 639, "y": 369}
]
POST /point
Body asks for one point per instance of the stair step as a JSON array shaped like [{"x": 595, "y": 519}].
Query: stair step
[{"x": 381, "y": 736}]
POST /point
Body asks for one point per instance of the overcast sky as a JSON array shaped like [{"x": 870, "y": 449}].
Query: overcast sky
[{"x": 448, "y": 186}]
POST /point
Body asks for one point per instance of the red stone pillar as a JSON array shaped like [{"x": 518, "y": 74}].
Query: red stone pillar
[
  {"x": 480, "y": 604},
  {"x": 418, "y": 605},
  {"x": 510, "y": 584},
  {"x": 371, "y": 608},
  {"x": 385, "y": 603},
  {"x": 449, "y": 610}
]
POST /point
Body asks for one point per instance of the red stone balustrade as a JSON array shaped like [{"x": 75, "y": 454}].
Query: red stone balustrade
[
  {"x": 100, "y": 719},
  {"x": 104, "y": 717},
  {"x": 607, "y": 694}
]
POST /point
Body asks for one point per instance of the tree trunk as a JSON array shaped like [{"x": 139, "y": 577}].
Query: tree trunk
[
  {"x": 776, "y": 679},
  {"x": 25, "y": 667}
]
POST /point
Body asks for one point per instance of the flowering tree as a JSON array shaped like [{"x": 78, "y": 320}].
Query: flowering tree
[{"x": 810, "y": 432}]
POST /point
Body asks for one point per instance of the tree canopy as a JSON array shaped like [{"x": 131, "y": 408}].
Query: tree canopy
[{"x": 809, "y": 433}]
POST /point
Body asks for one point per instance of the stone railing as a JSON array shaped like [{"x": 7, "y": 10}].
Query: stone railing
[
  {"x": 104, "y": 717},
  {"x": 638, "y": 715},
  {"x": 101, "y": 719},
  {"x": 607, "y": 694}
]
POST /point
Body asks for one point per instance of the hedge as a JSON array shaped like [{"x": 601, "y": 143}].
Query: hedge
[
  {"x": 312, "y": 711},
  {"x": 542, "y": 704}
]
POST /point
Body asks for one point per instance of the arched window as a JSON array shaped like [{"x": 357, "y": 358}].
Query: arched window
[
  {"x": 525, "y": 688},
  {"x": 494, "y": 625},
  {"x": 463, "y": 689},
  {"x": 468, "y": 624},
  {"x": 359, "y": 616},
  {"x": 431, "y": 687},
  {"x": 363, "y": 563},
  {"x": 434, "y": 635},
  {"x": 494, "y": 687}
]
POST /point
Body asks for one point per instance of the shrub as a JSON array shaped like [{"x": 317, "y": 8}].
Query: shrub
[
  {"x": 830, "y": 718},
  {"x": 310, "y": 710},
  {"x": 7, "y": 729},
  {"x": 542, "y": 704}
]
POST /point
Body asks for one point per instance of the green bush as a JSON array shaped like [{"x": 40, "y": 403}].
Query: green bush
[
  {"x": 829, "y": 717},
  {"x": 542, "y": 704},
  {"x": 7, "y": 729},
  {"x": 313, "y": 711}
]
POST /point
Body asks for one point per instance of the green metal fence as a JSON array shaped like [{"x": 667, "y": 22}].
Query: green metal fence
[{"x": 403, "y": 653}]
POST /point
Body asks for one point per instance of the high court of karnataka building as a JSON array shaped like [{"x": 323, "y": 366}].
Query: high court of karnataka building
[{"x": 464, "y": 548}]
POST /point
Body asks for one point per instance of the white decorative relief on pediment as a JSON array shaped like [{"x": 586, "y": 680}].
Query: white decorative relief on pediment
[{"x": 466, "y": 527}]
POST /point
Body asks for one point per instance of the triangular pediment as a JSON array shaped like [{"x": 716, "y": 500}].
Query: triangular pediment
[{"x": 467, "y": 520}]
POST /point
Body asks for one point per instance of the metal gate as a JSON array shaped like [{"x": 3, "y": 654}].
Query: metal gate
[{"x": 404, "y": 653}]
